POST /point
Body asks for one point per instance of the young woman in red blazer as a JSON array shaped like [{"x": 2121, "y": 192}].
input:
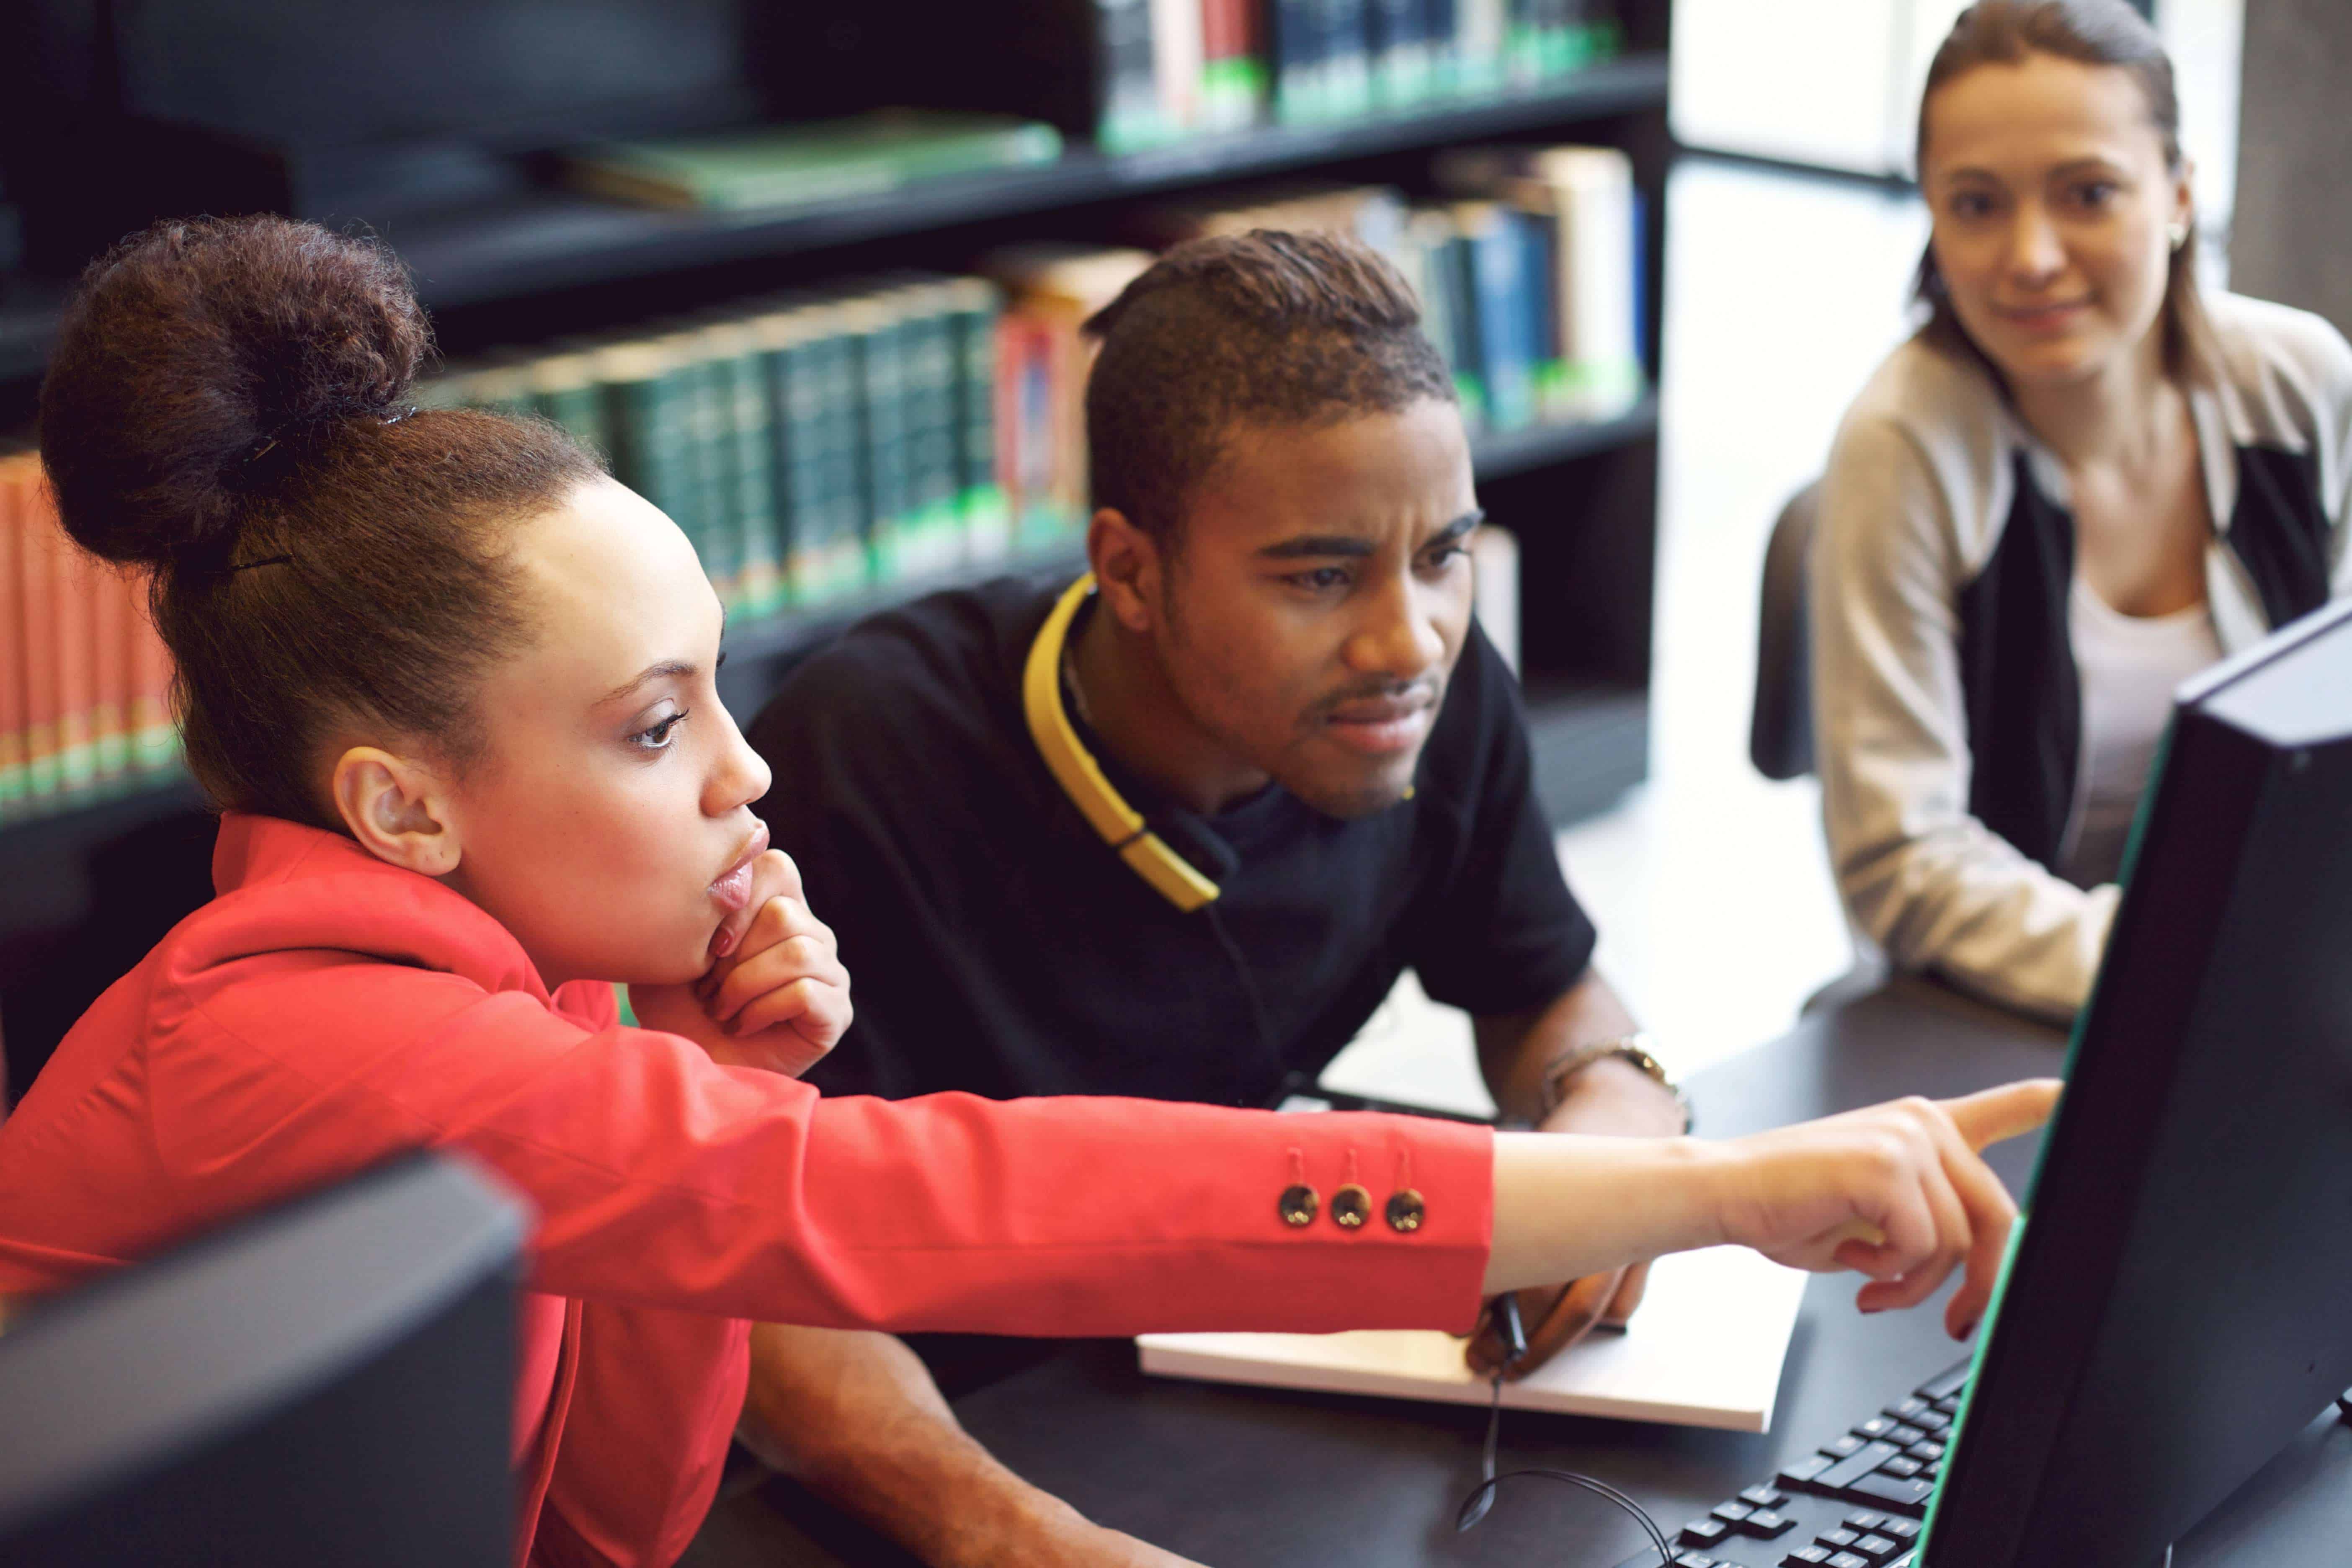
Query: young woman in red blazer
[{"x": 454, "y": 688}]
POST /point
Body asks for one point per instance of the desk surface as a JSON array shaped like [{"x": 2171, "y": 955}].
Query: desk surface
[{"x": 1238, "y": 1477}]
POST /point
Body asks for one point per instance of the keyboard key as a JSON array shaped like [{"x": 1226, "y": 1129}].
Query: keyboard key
[
  {"x": 1878, "y": 1427},
  {"x": 1856, "y": 1466},
  {"x": 1693, "y": 1560},
  {"x": 1800, "y": 1475},
  {"x": 1764, "y": 1496},
  {"x": 1848, "y": 1560},
  {"x": 1806, "y": 1557},
  {"x": 1903, "y": 1529},
  {"x": 1838, "y": 1448},
  {"x": 1838, "y": 1540},
  {"x": 1905, "y": 1435},
  {"x": 1877, "y": 1548},
  {"x": 1704, "y": 1532},
  {"x": 1926, "y": 1450},
  {"x": 1731, "y": 1512},
  {"x": 1932, "y": 1421},
  {"x": 1901, "y": 1467},
  {"x": 1910, "y": 1410},
  {"x": 1951, "y": 1406},
  {"x": 1909, "y": 1496},
  {"x": 1948, "y": 1383},
  {"x": 1862, "y": 1519},
  {"x": 1765, "y": 1524}
]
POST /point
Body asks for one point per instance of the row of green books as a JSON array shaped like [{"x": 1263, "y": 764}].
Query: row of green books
[{"x": 808, "y": 446}]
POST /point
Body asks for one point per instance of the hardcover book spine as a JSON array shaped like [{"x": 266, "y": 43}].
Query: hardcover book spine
[
  {"x": 747, "y": 496},
  {"x": 37, "y": 572},
  {"x": 1025, "y": 427},
  {"x": 980, "y": 500},
  {"x": 828, "y": 554},
  {"x": 1347, "y": 52},
  {"x": 110, "y": 640},
  {"x": 1176, "y": 54},
  {"x": 14, "y": 786},
  {"x": 1600, "y": 269},
  {"x": 1481, "y": 29},
  {"x": 879, "y": 349},
  {"x": 933, "y": 438},
  {"x": 848, "y": 492},
  {"x": 800, "y": 511},
  {"x": 1538, "y": 232},
  {"x": 1456, "y": 274},
  {"x": 1523, "y": 35},
  {"x": 71, "y": 676},
  {"x": 1131, "y": 116},
  {"x": 1233, "y": 76},
  {"x": 1400, "y": 53},
  {"x": 1294, "y": 35},
  {"x": 1505, "y": 315},
  {"x": 1439, "y": 27}
]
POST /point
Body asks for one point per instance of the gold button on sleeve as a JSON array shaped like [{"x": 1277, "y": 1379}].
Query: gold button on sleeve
[
  {"x": 1406, "y": 1211},
  {"x": 1298, "y": 1205},
  {"x": 1350, "y": 1206}
]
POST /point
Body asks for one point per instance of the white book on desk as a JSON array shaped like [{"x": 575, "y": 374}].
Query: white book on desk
[{"x": 1705, "y": 1350}]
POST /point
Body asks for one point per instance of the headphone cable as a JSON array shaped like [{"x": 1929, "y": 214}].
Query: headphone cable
[{"x": 1481, "y": 1499}]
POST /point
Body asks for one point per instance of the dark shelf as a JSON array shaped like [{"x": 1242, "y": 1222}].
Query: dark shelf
[
  {"x": 69, "y": 824},
  {"x": 511, "y": 246},
  {"x": 1500, "y": 454},
  {"x": 555, "y": 239},
  {"x": 29, "y": 311}
]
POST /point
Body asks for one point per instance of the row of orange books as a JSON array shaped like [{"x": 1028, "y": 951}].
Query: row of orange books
[{"x": 85, "y": 683}]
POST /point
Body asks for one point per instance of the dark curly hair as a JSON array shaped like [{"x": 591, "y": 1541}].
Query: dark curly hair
[
  {"x": 225, "y": 406},
  {"x": 1257, "y": 329}
]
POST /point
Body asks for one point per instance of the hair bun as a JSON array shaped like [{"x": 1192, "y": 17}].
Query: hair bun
[{"x": 192, "y": 345}]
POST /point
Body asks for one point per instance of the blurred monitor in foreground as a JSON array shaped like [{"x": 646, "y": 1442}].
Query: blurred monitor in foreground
[
  {"x": 2178, "y": 1302},
  {"x": 330, "y": 1382}
]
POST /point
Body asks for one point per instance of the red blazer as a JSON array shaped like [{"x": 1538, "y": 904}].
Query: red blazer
[{"x": 327, "y": 1010}]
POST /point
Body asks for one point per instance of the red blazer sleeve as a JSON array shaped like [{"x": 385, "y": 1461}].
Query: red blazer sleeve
[{"x": 664, "y": 1180}]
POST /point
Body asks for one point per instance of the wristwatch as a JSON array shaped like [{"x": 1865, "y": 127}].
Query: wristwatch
[{"x": 1634, "y": 1048}]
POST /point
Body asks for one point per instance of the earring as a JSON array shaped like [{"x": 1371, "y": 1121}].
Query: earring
[{"x": 2178, "y": 233}]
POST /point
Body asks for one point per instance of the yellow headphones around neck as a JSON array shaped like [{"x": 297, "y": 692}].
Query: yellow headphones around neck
[{"x": 1081, "y": 777}]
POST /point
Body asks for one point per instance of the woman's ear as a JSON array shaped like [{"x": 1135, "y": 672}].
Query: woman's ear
[{"x": 398, "y": 808}]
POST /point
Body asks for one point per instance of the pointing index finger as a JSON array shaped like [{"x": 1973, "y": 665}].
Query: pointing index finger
[{"x": 1993, "y": 1115}]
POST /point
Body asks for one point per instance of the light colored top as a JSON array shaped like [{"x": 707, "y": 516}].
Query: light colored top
[
  {"x": 2130, "y": 666},
  {"x": 1918, "y": 491}
]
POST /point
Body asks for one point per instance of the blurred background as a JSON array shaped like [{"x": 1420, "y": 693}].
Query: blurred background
[{"x": 810, "y": 274}]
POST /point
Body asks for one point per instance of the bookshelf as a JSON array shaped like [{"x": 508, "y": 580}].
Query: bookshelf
[{"x": 92, "y": 883}]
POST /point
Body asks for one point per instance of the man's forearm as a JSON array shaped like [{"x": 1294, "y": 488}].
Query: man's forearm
[
  {"x": 1514, "y": 1051},
  {"x": 857, "y": 1417}
]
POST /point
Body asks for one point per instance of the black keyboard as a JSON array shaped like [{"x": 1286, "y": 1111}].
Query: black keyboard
[{"x": 1856, "y": 1502}]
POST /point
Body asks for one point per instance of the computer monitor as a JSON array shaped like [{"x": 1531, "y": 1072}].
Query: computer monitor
[
  {"x": 2178, "y": 1302},
  {"x": 331, "y": 1382}
]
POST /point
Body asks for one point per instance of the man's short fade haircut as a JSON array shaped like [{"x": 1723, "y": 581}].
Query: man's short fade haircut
[{"x": 1263, "y": 328}]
